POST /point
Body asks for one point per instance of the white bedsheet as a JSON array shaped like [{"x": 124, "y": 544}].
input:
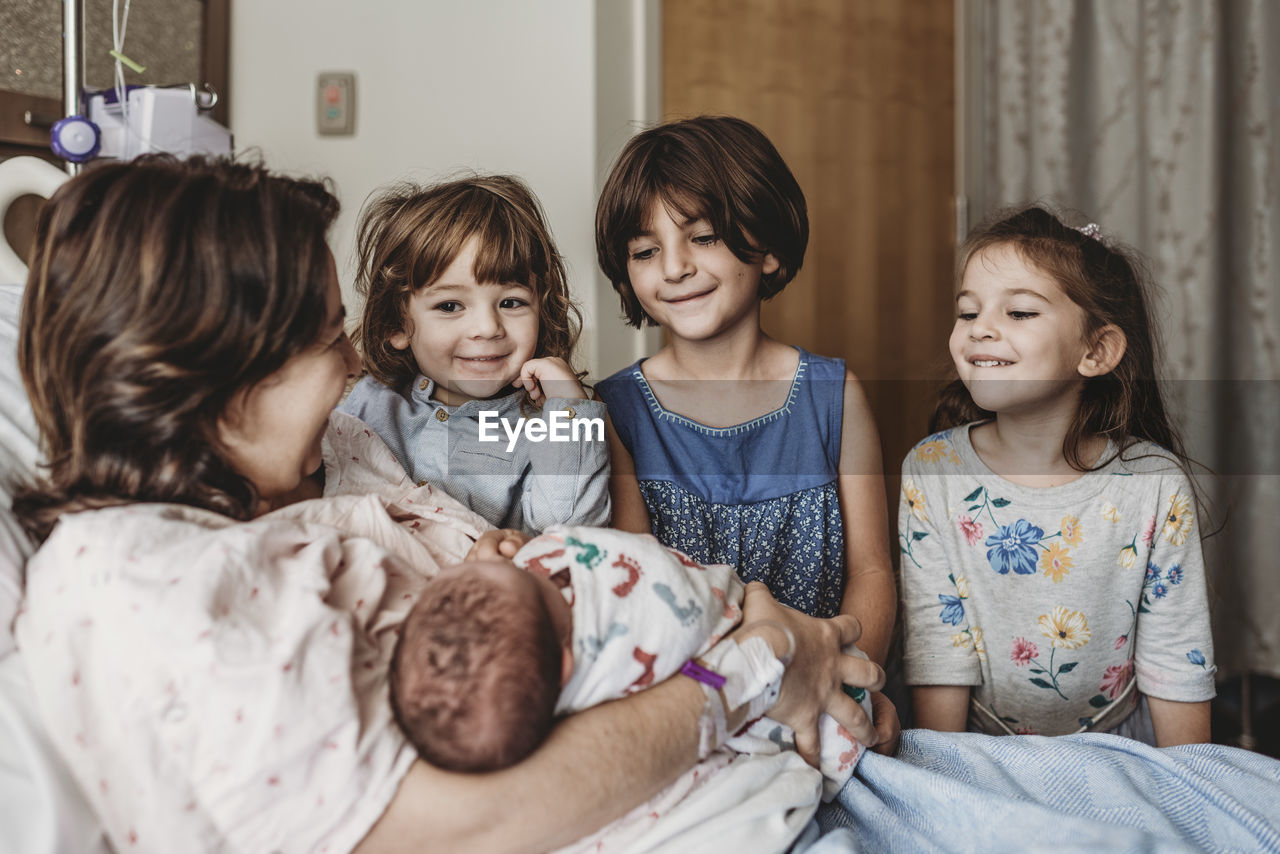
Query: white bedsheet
[{"x": 41, "y": 808}]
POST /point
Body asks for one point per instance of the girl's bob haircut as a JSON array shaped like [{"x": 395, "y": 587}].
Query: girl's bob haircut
[{"x": 718, "y": 168}]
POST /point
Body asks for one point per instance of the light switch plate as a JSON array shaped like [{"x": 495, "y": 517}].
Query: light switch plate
[{"x": 336, "y": 103}]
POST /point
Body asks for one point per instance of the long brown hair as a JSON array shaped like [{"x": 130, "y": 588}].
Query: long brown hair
[
  {"x": 720, "y": 168},
  {"x": 158, "y": 289},
  {"x": 409, "y": 235},
  {"x": 1110, "y": 282}
]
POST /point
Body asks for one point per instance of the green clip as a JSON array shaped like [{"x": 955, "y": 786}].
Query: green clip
[{"x": 115, "y": 54}]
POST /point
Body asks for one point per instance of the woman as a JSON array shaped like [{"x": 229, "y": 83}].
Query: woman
[{"x": 202, "y": 662}]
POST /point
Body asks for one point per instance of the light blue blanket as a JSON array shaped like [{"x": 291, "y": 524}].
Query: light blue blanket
[{"x": 968, "y": 792}]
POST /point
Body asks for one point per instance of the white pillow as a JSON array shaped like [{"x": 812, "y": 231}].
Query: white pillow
[{"x": 18, "y": 454}]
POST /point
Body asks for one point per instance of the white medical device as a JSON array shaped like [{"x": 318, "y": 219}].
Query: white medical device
[
  {"x": 126, "y": 121},
  {"x": 157, "y": 118}
]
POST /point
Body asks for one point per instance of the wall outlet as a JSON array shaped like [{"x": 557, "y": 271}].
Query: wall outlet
[{"x": 336, "y": 103}]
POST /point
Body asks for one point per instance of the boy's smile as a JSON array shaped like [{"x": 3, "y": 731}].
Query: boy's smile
[{"x": 472, "y": 338}]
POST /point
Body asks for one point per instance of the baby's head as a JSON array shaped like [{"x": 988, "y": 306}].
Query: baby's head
[
  {"x": 479, "y": 665},
  {"x": 718, "y": 168},
  {"x": 462, "y": 283}
]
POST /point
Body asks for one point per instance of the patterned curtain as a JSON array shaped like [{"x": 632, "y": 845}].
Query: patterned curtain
[{"x": 1160, "y": 120}]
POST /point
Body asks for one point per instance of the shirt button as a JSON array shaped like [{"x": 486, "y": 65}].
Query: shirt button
[
  {"x": 422, "y": 385},
  {"x": 570, "y": 413},
  {"x": 441, "y": 415},
  {"x": 422, "y": 482}
]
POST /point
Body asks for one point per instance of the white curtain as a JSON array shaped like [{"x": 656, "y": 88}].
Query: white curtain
[{"x": 1160, "y": 121}]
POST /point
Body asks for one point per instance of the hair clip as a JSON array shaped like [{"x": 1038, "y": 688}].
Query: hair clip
[{"x": 1091, "y": 230}]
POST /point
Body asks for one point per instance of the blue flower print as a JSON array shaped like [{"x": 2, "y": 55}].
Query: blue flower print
[
  {"x": 1159, "y": 590},
  {"x": 1174, "y": 575},
  {"x": 1153, "y": 572},
  {"x": 1196, "y": 657},
  {"x": 1014, "y": 547},
  {"x": 952, "y": 609}
]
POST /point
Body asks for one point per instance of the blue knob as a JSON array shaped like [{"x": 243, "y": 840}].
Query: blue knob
[{"x": 75, "y": 138}]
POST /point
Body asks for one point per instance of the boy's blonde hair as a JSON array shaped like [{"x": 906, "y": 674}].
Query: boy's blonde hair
[{"x": 410, "y": 234}]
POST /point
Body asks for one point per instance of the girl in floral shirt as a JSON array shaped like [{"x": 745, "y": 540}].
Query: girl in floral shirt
[{"x": 1052, "y": 574}]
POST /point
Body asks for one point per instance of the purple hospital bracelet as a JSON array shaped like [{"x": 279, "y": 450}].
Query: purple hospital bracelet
[{"x": 706, "y": 676}]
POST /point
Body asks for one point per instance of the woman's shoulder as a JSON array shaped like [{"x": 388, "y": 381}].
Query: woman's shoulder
[{"x": 134, "y": 540}]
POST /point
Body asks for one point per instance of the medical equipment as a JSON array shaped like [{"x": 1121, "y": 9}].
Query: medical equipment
[
  {"x": 125, "y": 121},
  {"x": 158, "y": 118}
]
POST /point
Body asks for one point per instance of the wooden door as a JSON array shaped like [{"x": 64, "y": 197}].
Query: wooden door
[{"x": 858, "y": 96}]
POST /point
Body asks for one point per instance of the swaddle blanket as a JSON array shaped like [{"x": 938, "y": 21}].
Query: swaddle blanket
[{"x": 640, "y": 611}]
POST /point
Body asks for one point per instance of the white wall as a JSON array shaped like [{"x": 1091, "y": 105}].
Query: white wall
[{"x": 448, "y": 85}]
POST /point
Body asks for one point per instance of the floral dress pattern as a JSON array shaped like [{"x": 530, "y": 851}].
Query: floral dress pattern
[{"x": 1034, "y": 597}]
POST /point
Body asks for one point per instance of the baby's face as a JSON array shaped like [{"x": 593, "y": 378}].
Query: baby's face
[{"x": 504, "y": 573}]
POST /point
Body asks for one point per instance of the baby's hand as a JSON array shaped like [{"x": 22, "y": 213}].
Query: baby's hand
[{"x": 549, "y": 377}]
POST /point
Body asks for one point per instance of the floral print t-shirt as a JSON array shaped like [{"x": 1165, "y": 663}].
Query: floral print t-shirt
[{"x": 1056, "y": 605}]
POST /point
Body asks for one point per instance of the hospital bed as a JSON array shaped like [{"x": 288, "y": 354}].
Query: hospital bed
[
  {"x": 41, "y": 808},
  {"x": 944, "y": 792}
]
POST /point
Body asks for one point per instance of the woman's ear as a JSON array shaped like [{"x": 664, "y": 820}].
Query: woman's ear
[
  {"x": 770, "y": 264},
  {"x": 1109, "y": 344}
]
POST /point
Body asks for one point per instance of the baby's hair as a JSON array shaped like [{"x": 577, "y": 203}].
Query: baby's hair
[
  {"x": 718, "y": 168},
  {"x": 410, "y": 234},
  {"x": 1110, "y": 282},
  {"x": 475, "y": 674},
  {"x": 158, "y": 290}
]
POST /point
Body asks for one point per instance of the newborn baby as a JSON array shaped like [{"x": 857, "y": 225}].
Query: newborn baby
[{"x": 494, "y": 651}]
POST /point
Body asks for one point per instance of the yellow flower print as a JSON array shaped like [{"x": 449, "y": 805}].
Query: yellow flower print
[
  {"x": 1110, "y": 512},
  {"x": 1072, "y": 531},
  {"x": 1128, "y": 557},
  {"x": 1177, "y": 522},
  {"x": 1056, "y": 563},
  {"x": 1065, "y": 628},
  {"x": 961, "y": 639},
  {"x": 955, "y": 459},
  {"x": 962, "y": 586},
  {"x": 978, "y": 646},
  {"x": 931, "y": 452},
  {"x": 915, "y": 499}
]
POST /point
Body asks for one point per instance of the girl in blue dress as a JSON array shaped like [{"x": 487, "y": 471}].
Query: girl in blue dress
[{"x": 729, "y": 445}]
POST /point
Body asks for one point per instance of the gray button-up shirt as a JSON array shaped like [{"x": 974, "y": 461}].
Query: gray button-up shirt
[{"x": 528, "y": 483}]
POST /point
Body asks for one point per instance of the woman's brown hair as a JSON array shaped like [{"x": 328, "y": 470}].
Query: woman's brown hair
[
  {"x": 158, "y": 289},
  {"x": 409, "y": 235},
  {"x": 718, "y": 168},
  {"x": 1110, "y": 282}
]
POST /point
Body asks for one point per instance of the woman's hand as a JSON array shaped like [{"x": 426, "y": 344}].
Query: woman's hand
[
  {"x": 498, "y": 543},
  {"x": 549, "y": 377},
  {"x": 818, "y": 671}
]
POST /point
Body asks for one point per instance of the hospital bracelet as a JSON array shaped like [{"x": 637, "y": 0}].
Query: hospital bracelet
[{"x": 732, "y": 676}]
